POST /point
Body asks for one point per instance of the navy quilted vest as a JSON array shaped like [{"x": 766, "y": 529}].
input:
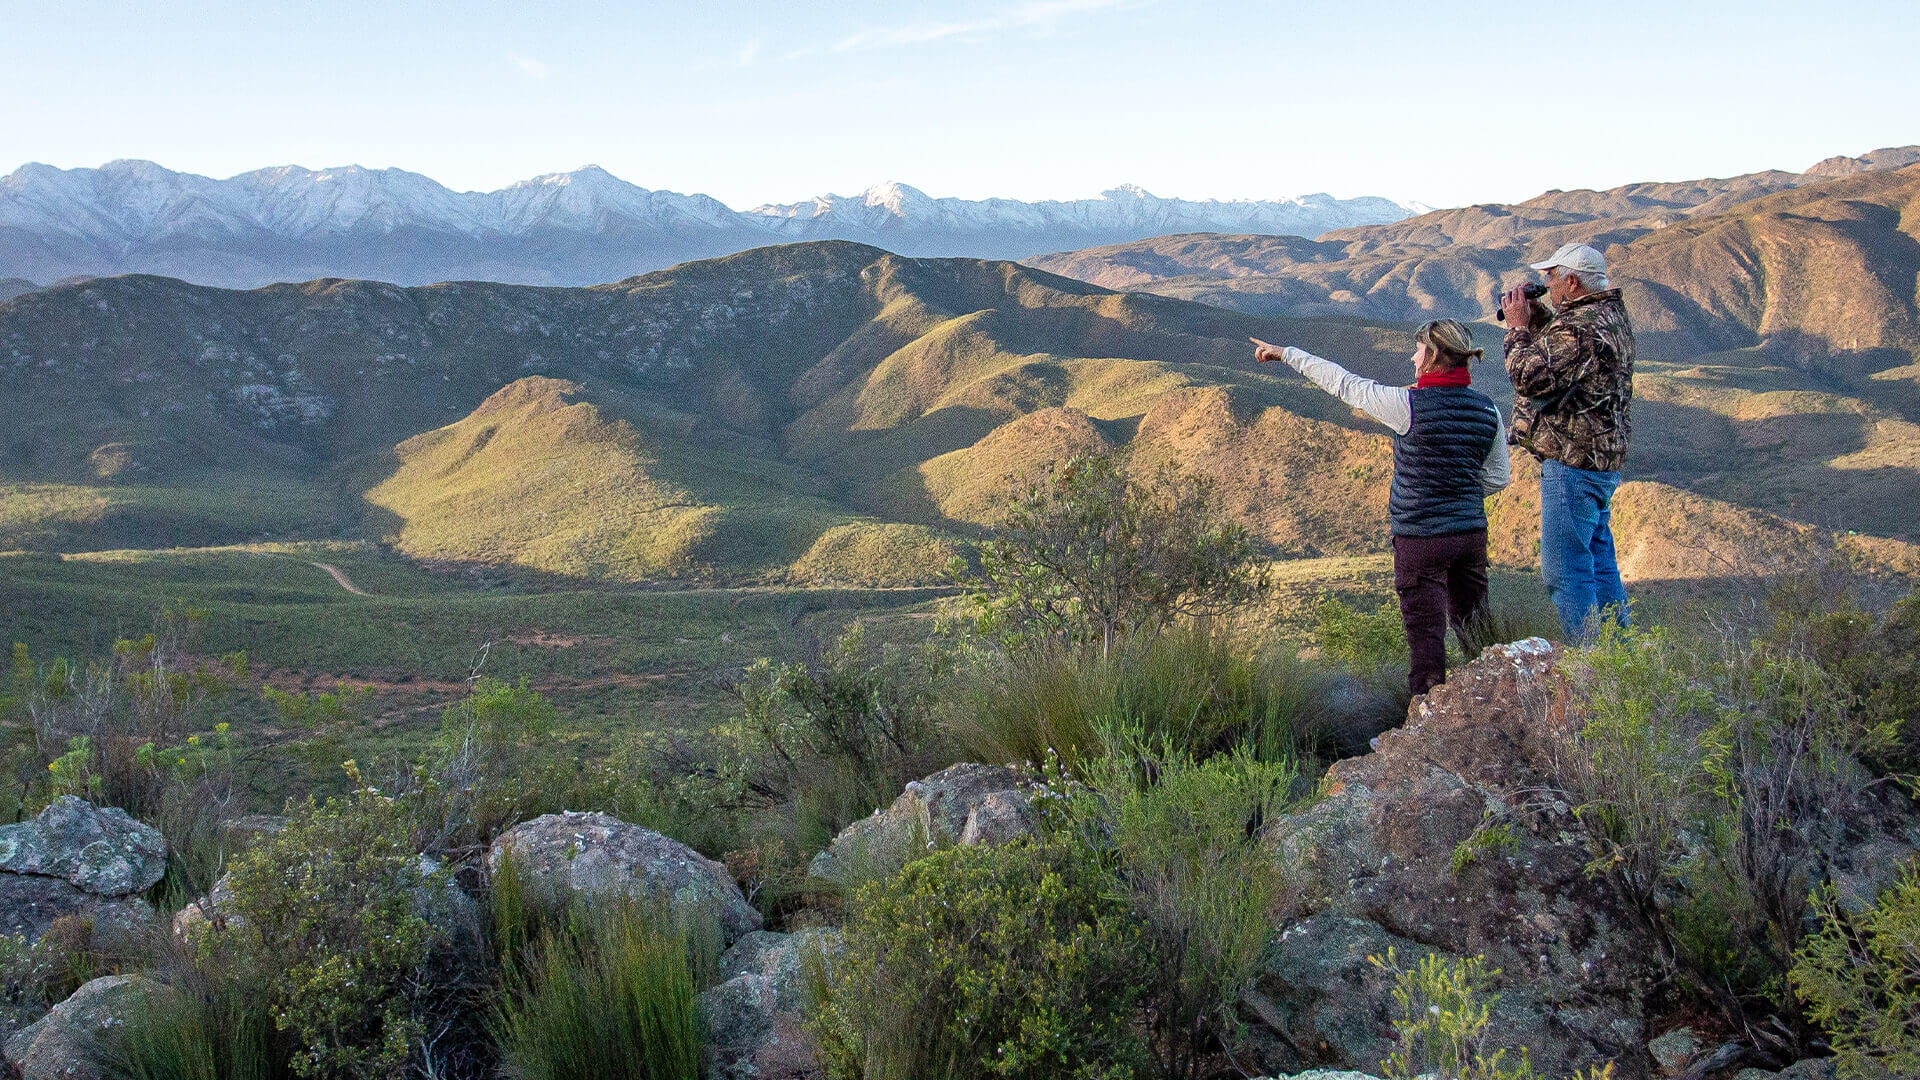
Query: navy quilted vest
[{"x": 1438, "y": 463}]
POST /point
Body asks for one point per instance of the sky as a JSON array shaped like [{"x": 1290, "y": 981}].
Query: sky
[{"x": 1441, "y": 102}]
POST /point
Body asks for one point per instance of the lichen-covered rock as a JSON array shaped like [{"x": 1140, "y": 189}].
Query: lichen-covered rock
[
  {"x": 963, "y": 804},
  {"x": 1445, "y": 840},
  {"x": 74, "y": 1041},
  {"x": 30, "y": 903},
  {"x": 753, "y": 1018},
  {"x": 1808, "y": 1069},
  {"x": 1673, "y": 1051},
  {"x": 597, "y": 853},
  {"x": 99, "y": 850},
  {"x": 750, "y": 1037}
]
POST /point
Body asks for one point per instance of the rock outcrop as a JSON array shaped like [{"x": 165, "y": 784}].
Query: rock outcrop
[
  {"x": 753, "y": 1017},
  {"x": 962, "y": 804},
  {"x": 74, "y": 1041},
  {"x": 1449, "y": 839},
  {"x": 598, "y": 854},
  {"x": 101, "y": 851},
  {"x": 76, "y": 861}
]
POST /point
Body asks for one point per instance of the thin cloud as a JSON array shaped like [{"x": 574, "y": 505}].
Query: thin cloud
[
  {"x": 749, "y": 52},
  {"x": 1034, "y": 14},
  {"x": 531, "y": 68}
]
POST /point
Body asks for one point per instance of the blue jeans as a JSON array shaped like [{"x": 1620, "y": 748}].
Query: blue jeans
[{"x": 1576, "y": 548}]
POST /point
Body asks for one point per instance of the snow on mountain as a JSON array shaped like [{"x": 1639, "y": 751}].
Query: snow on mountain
[{"x": 293, "y": 223}]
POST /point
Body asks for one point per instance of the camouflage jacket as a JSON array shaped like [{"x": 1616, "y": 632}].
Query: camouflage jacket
[{"x": 1573, "y": 383}]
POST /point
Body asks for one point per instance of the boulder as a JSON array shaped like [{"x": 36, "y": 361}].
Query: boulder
[
  {"x": 1807, "y": 1069},
  {"x": 753, "y": 1017},
  {"x": 74, "y": 1041},
  {"x": 598, "y": 854},
  {"x": 30, "y": 903},
  {"x": 963, "y": 804},
  {"x": 98, "y": 850},
  {"x": 1674, "y": 1051},
  {"x": 1447, "y": 840}
]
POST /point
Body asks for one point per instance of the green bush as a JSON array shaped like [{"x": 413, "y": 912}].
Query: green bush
[
  {"x": 492, "y": 765},
  {"x": 1195, "y": 685},
  {"x": 840, "y": 733},
  {"x": 1716, "y": 777},
  {"x": 1875, "y": 655},
  {"x": 1090, "y": 553},
  {"x": 1860, "y": 980},
  {"x": 331, "y": 910},
  {"x": 1012, "y": 961},
  {"x": 592, "y": 992},
  {"x": 1184, "y": 838},
  {"x": 1361, "y": 641}
]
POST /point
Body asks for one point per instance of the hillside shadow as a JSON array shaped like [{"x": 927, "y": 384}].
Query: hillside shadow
[{"x": 1775, "y": 464}]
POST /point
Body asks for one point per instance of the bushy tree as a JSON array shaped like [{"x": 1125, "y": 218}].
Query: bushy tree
[{"x": 1091, "y": 552}]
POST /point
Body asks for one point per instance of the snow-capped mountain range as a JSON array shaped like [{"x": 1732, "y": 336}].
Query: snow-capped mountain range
[{"x": 294, "y": 224}]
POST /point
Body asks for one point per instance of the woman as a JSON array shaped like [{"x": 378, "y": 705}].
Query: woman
[{"x": 1449, "y": 454}]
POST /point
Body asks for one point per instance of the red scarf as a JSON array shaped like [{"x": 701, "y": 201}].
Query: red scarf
[{"x": 1459, "y": 376}]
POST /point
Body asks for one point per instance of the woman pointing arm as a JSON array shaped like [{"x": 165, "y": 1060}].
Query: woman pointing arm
[{"x": 1449, "y": 453}]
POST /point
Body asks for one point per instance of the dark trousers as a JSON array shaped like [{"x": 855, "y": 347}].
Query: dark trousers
[{"x": 1441, "y": 580}]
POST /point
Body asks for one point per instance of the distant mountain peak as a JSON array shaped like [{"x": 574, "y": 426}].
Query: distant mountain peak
[{"x": 290, "y": 222}]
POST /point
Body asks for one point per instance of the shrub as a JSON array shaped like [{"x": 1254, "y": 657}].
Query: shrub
[
  {"x": 331, "y": 910},
  {"x": 851, "y": 725},
  {"x": 1091, "y": 553},
  {"x": 1875, "y": 655},
  {"x": 1010, "y": 961},
  {"x": 492, "y": 765},
  {"x": 592, "y": 992},
  {"x": 1361, "y": 641},
  {"x": 1184, "y": 837},
  {"x": 1716, "y": 780},
  {"x": 1860, "y": 980},
  {"x": 136, "y": 729},
  {"x": 1194, "y": 684},
  {"x": 1444, "y": 1009}
]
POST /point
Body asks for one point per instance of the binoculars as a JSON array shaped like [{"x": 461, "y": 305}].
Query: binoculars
[{"x": 1532, "y": 290}]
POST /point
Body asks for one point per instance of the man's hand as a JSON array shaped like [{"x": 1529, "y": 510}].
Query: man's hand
[
  {"x": 1264, "y": 352},
  {"x": 1517, "y": 308}
]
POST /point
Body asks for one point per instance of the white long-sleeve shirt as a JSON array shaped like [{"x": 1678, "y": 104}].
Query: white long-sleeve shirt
[{"x": 1393, "y": 406}]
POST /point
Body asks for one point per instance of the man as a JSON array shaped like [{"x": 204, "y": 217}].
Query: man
[{"x": 1573, "y": 382}]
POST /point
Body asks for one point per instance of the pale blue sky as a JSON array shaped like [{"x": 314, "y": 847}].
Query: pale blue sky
[{"x": 1030, "y": 99}]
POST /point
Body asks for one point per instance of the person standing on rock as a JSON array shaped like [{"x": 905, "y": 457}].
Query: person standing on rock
[
  {"x": 1573, "y": 383},
  {"x": 1449, "y": 454}
]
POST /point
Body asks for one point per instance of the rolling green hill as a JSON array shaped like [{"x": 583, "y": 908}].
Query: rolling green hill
[{"x": 820, "y": 413}]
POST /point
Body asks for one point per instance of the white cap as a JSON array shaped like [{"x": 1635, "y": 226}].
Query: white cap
[{"x": 1578, "y": 258}]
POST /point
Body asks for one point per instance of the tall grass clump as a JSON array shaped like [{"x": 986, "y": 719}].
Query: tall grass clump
[
  {"x": 1195, "y": 685},
  {"x": 211, "y": 1021},
  {"x": 591, "y": 991}
]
